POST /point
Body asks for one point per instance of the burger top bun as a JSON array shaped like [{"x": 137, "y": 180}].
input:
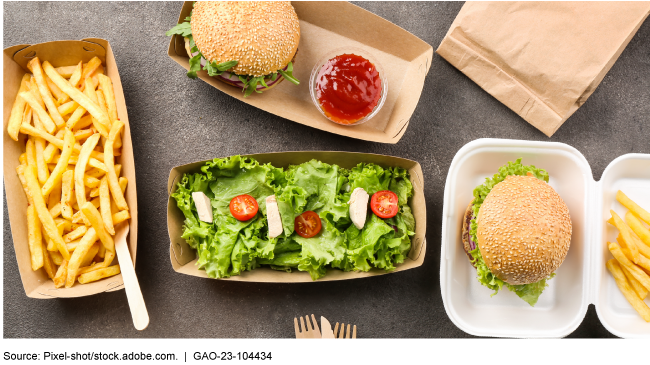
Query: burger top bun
[
  {"x": 262, "y": 36},
  {"x": 524, "y": 230}
]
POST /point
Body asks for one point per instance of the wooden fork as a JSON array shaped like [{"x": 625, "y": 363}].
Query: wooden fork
[
  {"x": 347, "y": 334},
  {"x": 309, "y": 331}
]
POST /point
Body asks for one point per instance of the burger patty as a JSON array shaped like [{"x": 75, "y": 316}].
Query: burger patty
[{"x": 467, "y": 238}]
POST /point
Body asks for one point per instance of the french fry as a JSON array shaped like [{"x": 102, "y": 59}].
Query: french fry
[
  {"x": 101, "y": 101},
  {"x": 33, "y": 88},
  {"x": 23, "y": 158},
  {"x": 91, "y": 182},
  {"x": 56, "y": 257},
  {"x": 54, "y": 198},
  {"x": 626, "y": 289},
  {"x": 95, "y": 219},
  {"x": 72, "y": 245},
  {"x": 67, "y": 183},
  {"x": 30, "y": 150},
  {"x": 113, "y": 183},
  {"x": 77, "y": 233},
  {"x": 627, "y": 241},
  {"x": 99, "y": 274},
  {"x": 105, "y": 206},
  {"x": 97, "y": 173},
  {"x": 82, "y": 134},
  {"x": 51, "y": 149},
  {"x": 66, "y": 71},
  {"x": 643, "y": 214},
  {"x": 28, "y": 129},
  {"x": 94, "y": 192},
  {"x": 48, "y": 265},
  {"x": 68, "y": 107},
  {"x": 34, "y": 238},
  {"x": 638, "y": 228},
  {"x": 75, "y": 94},
  {"x": 89, "y": 238},
  {"x": 638, "y": 274},
  {"x": 55, "y": 211},
  {"x": 16, "y": 116},
  {"x": 92, "y": 252},
  {"x": 75, "y": 78},
  {"x": 75, "y": 118},
  {"x": 62, "y": 164},
  {"x": 123, "y": 182},
  {"x": 20, "y": 171},
  {"x": 35, "y": 66},
  {"x": 84, "y": 122},
  {"x": 92, "y": 95},
  {"x": 90, "y": 68},
  {"x": 93, "y": 162},
  {"x": 120, "y": 216},
  {"x": 636, "y": 285},
  {"x": 61, "y": 274},
  {"x": 43, "y": 214},
  {"x": 80, "y": 168},
  {"x": 109, "y": 97},
  {"x": 50, "y": 127},
  {"x": 41, "y": 165},
  {"x": 56, "y": 92}
]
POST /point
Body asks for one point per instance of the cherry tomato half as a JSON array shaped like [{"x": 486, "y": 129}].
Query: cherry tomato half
[
  {"x": 243, "y": 207},
  {"x": 384, "y": 204},
  {"x": 307, "y": 224}
]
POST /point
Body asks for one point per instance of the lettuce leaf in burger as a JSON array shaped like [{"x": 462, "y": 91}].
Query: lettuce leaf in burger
[
  {"x": 516, "y": 231},
  {"x": 249, "y": 45}
]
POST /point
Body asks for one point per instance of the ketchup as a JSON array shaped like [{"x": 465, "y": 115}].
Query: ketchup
[{"x": 348, "y": 88}]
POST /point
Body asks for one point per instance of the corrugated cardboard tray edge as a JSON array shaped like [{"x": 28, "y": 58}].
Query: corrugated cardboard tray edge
[
  {"x": 36, "y": 283},
  {"x": 183, "y": 257},
  {"x": 409, "y": 95}
]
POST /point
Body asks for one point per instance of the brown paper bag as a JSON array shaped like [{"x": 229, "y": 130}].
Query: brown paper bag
[{"x": 541, "y": 59}]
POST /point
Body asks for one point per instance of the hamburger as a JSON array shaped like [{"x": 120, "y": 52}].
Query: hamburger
[
  {"x": 516, "y": 231},
  {"x": 249, "y": 45}
]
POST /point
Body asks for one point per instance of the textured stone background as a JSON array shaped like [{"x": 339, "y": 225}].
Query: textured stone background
[{"x": 175, "y": 120}]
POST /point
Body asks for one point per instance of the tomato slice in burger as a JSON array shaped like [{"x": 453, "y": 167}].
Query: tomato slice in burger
[
  {"x": 243, "y": 207},
  {"x": 384, "y": 204},
  {"x": 307, "y": 224}
]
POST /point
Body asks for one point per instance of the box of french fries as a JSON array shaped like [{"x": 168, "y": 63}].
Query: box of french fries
[
  {"x": 608, "y": 262},
  {"x": 68, "y": 167}
]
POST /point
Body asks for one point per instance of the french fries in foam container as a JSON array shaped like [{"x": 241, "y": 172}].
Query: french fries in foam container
[
  {"x": 583, "y": 277},
  {"x": 61, "y": 98}
]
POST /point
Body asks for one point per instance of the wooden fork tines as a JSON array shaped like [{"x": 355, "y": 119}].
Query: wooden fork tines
[
  {"x": 309, "y": 331},
  {"x": 347, "y": 333}
]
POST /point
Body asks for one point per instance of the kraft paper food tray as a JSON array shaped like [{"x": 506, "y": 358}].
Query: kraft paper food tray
[
  {"x": 183, "y": 257},
  {"x": 59, "y": 53},
  {"x": 582, "y": 279},
  {"x": 326, "y": 26}
]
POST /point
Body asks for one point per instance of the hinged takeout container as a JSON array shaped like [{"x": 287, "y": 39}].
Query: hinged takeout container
[
  {"x": 325, "y": 26},
  {"x": 59, "y": 53},
  {"x": 183, "y": 257},
  {"x": 581, "y": 280}
]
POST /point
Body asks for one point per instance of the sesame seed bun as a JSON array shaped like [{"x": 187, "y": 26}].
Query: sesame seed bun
[
  {"x": 262, "y": 36},
  {"x": 524, "y": 230}
]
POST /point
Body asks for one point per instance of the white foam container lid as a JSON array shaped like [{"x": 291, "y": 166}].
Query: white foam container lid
[{"x": 582, "y": 278}]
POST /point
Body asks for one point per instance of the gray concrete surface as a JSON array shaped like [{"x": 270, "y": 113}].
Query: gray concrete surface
[{"x": 175, "y": 120}]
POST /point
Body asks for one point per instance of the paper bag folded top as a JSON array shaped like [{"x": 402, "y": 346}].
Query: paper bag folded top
[{"x": 541, "y": 59}]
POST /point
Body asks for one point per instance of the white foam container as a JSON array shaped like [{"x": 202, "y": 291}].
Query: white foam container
[{"x": 581, "y": 280}]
